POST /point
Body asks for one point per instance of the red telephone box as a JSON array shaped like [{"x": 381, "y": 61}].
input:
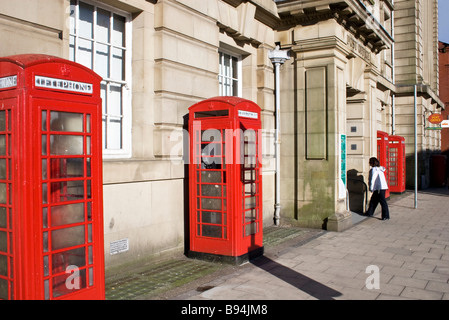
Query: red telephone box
[
  {"x": 382, "y": 155},
  {"x": 51, "y": 214},
  {"x": 225, "y": 179},
  {"x": 396, "y": 163}
]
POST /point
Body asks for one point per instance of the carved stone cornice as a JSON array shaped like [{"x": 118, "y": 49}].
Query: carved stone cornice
[{"x": 351, "y": 14}]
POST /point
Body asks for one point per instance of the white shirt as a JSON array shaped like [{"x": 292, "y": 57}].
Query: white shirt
[{"x": 377, "y": 179}]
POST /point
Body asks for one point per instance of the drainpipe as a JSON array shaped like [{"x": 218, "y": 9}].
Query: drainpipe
[
  {"x": 416, "y": 145},
  {"x": 277, "y": 57}
]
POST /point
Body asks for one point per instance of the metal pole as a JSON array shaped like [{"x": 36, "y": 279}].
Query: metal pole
[
  {"x": 277, "y": 57},
  {"x": 416, "y": 147},
  {"x": 277, "y": 205}
]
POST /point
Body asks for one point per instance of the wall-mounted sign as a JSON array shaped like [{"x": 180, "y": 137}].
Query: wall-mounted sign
[
  {"x": 247, "y": 114},
  {"x": 62, "y": 84},
  {"x": 435, "y": 118},
  {"x": 119, "y": 246},
  {"x": 445, "y": 124}
]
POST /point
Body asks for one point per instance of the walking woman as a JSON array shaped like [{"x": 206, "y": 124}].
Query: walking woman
[{"x": 377, "y": 185}]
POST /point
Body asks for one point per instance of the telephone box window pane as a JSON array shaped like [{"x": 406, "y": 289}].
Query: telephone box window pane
[
  {"x": 88, "y": 145},
  {"x": 250, "y": 215},
  {"x": 67, "y": 283},
  {"x": 89, "y": 211},
  {"x": 67, "y": 191},
  {"x": 74, "y": 257},
  {"x": 211, "y": 204},
  {"x": 88, "y": 170},
  {"x": 250, "y": 189},
  {"x": 3, "y": 265},
  {"x": 214, "y": 113},
  {"x": 44, "y": 145},
  {"x": 211, "y": 150},
  {"x": 250, "y": 229},
  {"x": 45, "y": 241},
  {"x": 67, "y": 237},
  {"x": 2, "y": 145},
  {"x": 44, "y": 120},
  {"x": 45, "y": 217},
  {"x": 66, "y": 121},
  {"x": 211, "y": 163},
  {"x": 211, "y": 176},
  {"x": 4, "y": 284},
  {"x": 3, "y": 193},
  {"x": 46, "y": 266},
  {"x": 3, "y": 242},
  {"x": 91, "y": 277},
  {"x": 211, "y": 217},
  {"x": 66, "y": 168},
  {"x": 250, "y": 175},
  {"x": 211, "y": 190},
  {"x": 211, "y": 231},
  {"x": 89, "y": 233},
  {"x": 67, "y": 214},
  {"x": 250, "y": 202},
  {"x": 2, "y": 169},
  {"x": 44, "y": 193},
  {"x": 2, "y": 120},
  {"x": 3, "y": 223},
  {"x": 44, "y": 169},
  {"x": 88, "y": 123},
  {"x": 90, "y": 255},
  {"x": 66, "y": 145},
  {"x": 46, "y": 290}
]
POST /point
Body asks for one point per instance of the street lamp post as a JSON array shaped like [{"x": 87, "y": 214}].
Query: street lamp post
[{"x": 277, "y": 57}]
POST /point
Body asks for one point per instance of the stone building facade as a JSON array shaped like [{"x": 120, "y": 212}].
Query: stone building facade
[
  {"x": 351, "y": 68},
  {"x": 416, "y": 63}
]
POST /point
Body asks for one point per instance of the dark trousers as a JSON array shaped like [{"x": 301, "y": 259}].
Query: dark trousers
[{"x": 378, "y": 197}]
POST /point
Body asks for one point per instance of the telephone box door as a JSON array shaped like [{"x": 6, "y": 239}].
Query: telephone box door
[
  {"x": 397, "y": 163},
  {"x": 69, "y": 201},
  {"x": 250, "y": 186},
  {"x": 210, "y": 227}
]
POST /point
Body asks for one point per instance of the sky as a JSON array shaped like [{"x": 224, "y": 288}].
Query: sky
[{"x": 443, "y": 20}]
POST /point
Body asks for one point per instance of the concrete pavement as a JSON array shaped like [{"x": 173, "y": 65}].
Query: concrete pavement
[{"x": 406, "y": 257}]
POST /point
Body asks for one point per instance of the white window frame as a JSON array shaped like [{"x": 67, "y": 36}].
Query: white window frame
[
  {"x": 239, "y": 80},
  {"x": 126, "y": 107}
]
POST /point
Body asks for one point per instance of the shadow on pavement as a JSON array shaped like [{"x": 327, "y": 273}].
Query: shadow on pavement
[{"x": 296, "y": 279}]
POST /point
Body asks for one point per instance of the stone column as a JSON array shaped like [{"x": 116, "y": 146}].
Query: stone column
[{"x": 319, "y": 198}]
